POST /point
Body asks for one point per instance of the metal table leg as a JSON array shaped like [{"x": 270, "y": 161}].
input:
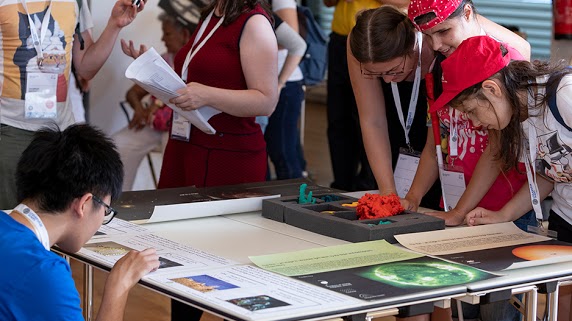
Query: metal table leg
[{"x": 87, "y": 292}]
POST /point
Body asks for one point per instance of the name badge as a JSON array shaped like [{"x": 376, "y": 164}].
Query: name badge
[
  {"x": 404, "y": 172},
  {"x": 453, "y": 182},
  {"x": 40, "y": 100},
  {"x": 181, "y": 128}
]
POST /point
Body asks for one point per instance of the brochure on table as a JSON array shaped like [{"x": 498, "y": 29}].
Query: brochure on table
[
  {"x": 244, "y": 291},
  {"x": 119, "y": 227},
  {"x": 493, "y": 247},
  {"x": 373, "y": 270},
  {"x": 190, "y": 202}
]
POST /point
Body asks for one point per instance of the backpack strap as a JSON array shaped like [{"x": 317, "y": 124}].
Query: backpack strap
[{"x": 552, "y": 94}]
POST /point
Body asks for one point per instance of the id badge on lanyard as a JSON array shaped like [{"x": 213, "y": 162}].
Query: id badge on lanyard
[
  {"x": 405, "y": 170},
  {"x": 40, "y": 98},
  {"x": 181, "y": 127},
  {"x": 408, "y": 160},
  {"x": 453, "y": 184}
]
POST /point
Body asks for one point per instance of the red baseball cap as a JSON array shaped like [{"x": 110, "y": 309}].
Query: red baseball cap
[
  {"x": 441, "y": 8},
  {"x": 475, "y": 60}
]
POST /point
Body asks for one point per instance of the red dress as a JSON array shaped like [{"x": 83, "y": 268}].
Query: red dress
[{"x": 237, "y": 152}]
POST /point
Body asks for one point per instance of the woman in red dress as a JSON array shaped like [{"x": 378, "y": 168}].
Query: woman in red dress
[{"x": 233, "y": 69}]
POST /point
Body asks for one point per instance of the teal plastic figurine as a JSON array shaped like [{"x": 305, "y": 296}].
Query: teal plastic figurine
[{"x": 303, "y": 199}]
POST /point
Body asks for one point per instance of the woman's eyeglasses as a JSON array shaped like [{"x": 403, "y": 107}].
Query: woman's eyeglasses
[
  {"x": 109, "y": 211},
  {"x": 371, "y": 75}
]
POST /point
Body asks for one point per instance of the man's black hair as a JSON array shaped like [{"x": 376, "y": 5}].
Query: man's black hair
[{"x": 59, "y": 166}]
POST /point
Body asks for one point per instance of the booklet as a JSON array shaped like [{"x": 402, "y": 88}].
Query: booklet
[
  {"x": 153, "y": 73},
  {"x": 491, "y": 247}
]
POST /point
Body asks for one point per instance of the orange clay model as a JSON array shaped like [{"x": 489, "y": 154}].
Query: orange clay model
[{"x": 372, "y": 206}]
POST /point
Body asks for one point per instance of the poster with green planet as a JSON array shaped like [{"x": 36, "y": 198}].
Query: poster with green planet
[{"x": 418, "y": 275}]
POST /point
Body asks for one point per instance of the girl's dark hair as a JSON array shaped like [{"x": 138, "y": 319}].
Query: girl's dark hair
[
  {"x": 427, "y": 17},
  {"x": 517, "y": 77},
  {"x": 232, "y": 9},
  {"x": 382, "y": 34}
]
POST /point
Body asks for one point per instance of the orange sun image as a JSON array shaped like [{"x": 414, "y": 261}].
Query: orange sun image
[{"x": 540, "y": 252}]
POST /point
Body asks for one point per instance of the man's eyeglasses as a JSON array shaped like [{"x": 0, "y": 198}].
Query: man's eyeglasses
[
  {"x": 371, "y": 75},
  {"x": 109, "y": 211}
]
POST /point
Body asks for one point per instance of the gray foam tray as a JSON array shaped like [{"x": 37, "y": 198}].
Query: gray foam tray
[{"x": 343, "y": 224}]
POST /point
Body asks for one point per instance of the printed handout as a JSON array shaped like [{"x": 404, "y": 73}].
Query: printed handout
[
  {"x": 119, "y": 227},
  {"x": 152, "y": 73},
  {"x": 252, "y": 293},
  {"x": 493, "y": 247},
  {"x": 172, "y": 255}
]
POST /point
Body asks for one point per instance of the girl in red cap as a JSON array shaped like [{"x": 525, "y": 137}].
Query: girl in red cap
[
  {"x": 447, "y": 23},
  {"x": 527, "y": 109},
  {"x": 384, "y": 44}
]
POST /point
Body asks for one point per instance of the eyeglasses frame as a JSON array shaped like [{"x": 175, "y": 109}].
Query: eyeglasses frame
[
  {"x": 109, "y": 211},
  {"x": 372, "y": 75}
]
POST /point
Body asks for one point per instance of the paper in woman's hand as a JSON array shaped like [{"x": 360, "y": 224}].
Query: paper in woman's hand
[{"x": 152, "y": 73}]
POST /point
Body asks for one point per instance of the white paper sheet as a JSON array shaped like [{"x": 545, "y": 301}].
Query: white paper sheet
[
  {"x": 152, "y": 73},
  {"x": 465, "y": 239},
  {"x": 172, "y": 255},
  {"x": 119, "y": 227},
  {"x": 252, "y": 293},
  {"x": 173, "y": 212}
]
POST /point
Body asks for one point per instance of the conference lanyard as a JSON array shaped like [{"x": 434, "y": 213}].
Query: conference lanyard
[
  {"x": 192, "y": 53},
  {"x": 35, "y": 38},
  {"x": 414, "y": 95},
  {"x": 37, "y": 224},
  {"x": 529, "y": 161},
  {"x": 453, "y": 133}
]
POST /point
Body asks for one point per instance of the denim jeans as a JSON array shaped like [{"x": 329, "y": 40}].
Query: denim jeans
[
  {"x": 282, "y": 134},
  {"x": 527, "y": 219}
]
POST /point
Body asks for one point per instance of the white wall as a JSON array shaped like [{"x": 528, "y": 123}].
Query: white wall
[{"x": 109, "y": 86}]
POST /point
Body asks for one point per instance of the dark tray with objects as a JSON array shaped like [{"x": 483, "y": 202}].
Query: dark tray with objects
[{"x": 330, "y": 215}]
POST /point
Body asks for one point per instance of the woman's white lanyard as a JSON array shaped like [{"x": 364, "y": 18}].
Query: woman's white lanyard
[
  {"x": 37, "y": 224},
  {"x": 35, "y": 38},
  {"x": 530, "y": 168},
  {"x": 192, "y": 53},
  {"x": 414, "y": 95}
]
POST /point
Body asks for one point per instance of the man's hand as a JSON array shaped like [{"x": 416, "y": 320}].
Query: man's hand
[
  {"x": 130, "y": 269},
  {"x": 124, "y": 12},
  {"x": 129, "y": 49},
  {"x": 452, "y": 218}
]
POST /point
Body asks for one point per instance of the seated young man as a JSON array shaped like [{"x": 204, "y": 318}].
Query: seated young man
[{"x": 65, "y": 182}]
